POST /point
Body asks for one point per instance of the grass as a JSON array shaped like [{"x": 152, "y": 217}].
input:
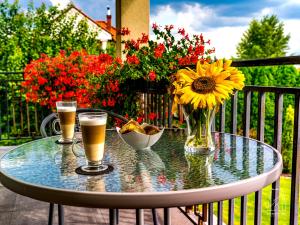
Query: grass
[{"x": 284, "y": 205}]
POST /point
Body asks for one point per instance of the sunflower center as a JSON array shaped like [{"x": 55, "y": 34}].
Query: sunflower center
[{"x": 203, "y": 85}]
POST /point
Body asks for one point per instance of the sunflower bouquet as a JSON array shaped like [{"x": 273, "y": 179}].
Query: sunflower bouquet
[{"x": 200, "y": 92}]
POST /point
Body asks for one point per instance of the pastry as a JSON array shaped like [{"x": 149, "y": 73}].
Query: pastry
[
  {"x": 132, "y": 126},
  {"x": 150, "y": 129}
]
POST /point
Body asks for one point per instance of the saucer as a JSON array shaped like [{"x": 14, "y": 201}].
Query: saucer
[
  {"x": 62, "y": 142},
  {"x": 83, "y": 170}
]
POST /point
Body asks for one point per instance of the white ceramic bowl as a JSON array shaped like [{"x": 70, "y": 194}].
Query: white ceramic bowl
[{"x": 139, "y": 140}]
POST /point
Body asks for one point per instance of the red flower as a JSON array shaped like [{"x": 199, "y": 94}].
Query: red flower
[
  {"x": 125, "y": 31},
  {"x": 144, "y": 39},
  {"x": 132, "y": 44},
  {"x": 132, "y": 59},
  {"x": 140, "y": 119},
  {"x": 169, "y": 28},
  {"x": 111, "y": 102},
  {"x": 35, "y": 88},
  {"x": 126, "y": 116},
  {"x": 152, "y": 75},
  {"x": 113, "y": 86},
  {"x": 42, "y": 80},
  {"x": 69, "y": 94},
  {"x": 181, "y": 31},
  {"x": 159, "y": 50},
  {"x": 152, "y": 116},
  {"x": 48, "y": 88},
  {"x": 118, "y": 122},
  {"x": 211, "y": 50},
  {"x": 199, "y": 50},
  {"x": 104, "y": 103}
]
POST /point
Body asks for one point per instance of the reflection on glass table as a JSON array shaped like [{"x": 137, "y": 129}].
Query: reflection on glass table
[{"x": 163, "y": 176}]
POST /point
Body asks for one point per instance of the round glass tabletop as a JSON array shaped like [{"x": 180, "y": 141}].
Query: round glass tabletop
[{"x": 45, "y": 170}]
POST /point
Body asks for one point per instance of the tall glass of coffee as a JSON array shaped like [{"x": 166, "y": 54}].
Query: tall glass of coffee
[
  {"x": 66, "y": 111},
  {"x": 93, "y": 126}
]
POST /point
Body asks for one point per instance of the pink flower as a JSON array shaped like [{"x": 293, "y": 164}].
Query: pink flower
[{"x": 154, "y": 26}]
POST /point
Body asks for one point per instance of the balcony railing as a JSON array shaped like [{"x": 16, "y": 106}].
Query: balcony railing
[
  {"x": 18, "y": 118},
  {"x": 163, "y": 109},
  {"x": 24, "y": 118}
]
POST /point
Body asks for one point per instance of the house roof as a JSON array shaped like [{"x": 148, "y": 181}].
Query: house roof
[
  {"x": 112, "y": 30},
  {"x": 101, "y": 24}
]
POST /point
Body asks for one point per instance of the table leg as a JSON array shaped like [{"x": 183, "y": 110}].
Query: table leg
[
  {"x": 60, "y": 215},
  {"x": 139, "y": 217},
  {"x": 50, "y": 217},
  {"x": 167, "y": 216},
  {"x": 154, "y": 217},
  {"x": 112, "y": 217}
]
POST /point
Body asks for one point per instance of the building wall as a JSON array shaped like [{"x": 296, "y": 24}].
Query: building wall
[
  {"x": 133, "y": 14},
  {"x": 102, "y": 35}
]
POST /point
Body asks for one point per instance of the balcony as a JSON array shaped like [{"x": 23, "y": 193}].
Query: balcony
[{"x": 20, "y": 122}]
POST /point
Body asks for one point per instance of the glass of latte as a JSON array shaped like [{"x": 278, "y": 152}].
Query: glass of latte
[
  {"x": 66, "y": 111},
  {"x": 93, "y": 126}
]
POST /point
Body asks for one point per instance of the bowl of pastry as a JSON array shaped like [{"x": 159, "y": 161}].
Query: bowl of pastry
[{"x": 139, "y": 136}]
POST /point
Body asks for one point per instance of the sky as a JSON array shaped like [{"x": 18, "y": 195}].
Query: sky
[{"x": 221, "y": 21}]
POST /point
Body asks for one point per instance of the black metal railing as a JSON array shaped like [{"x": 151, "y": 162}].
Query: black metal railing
[
  {"x": 248, "y": 94},
  {"x": 18, "y": 118},
  {"x": 12, "y": 102},
  {"x": 153, "y": 103}
]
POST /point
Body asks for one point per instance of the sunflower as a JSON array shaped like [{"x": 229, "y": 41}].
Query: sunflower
[
  {"x": 208, "y": 86},
  {"x": 236, "y": 76}
]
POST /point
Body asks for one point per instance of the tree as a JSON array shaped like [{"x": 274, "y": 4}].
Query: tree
[
  {"x": 25, "y": 35},
  {"x": 263, "y": 39},
  {"x": 266, "y": 39},
  {"x": 287, "y": 141}
]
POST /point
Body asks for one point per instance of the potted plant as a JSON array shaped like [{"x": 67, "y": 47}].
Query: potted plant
[{"x": 149, "y": 64}]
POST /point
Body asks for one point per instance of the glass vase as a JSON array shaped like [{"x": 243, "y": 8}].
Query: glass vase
[{"x": 199, "y": 122}]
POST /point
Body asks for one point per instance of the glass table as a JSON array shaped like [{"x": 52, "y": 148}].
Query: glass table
[{"x": 161, "y": 177}]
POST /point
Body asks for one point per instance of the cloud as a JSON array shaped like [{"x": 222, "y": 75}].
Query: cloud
[
  {"x": 60, "y": 3},
  {"x": 286, "y": 2},
  {"x": 225, "y": 32},
  {"x": 288, "y": 9},
  {"x": 294, "y": 43},
  {"x": 197, "y": 19},
  {"x": 225, "y": 40},
  {"x": 191, "y": 16}
]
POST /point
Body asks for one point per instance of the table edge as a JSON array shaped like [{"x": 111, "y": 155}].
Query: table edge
[{"x": 144, "y": 199}]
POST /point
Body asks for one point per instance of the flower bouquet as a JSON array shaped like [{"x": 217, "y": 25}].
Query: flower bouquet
[
  {"x": 156, "y": 60},
  {"x": 200, "y": 92}
]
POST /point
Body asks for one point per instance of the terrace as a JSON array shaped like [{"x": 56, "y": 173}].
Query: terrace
[
  {"x": 17, "y": 114},
  {"x": 247, "y": 113}
]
